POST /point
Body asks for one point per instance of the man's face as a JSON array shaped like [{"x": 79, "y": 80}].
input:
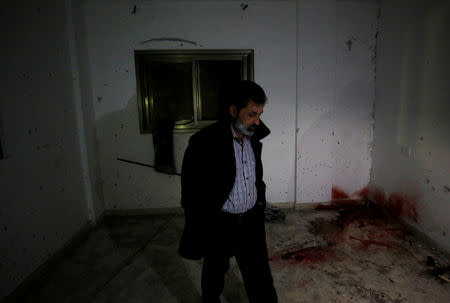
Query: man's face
[{"x": 247, "y": 119}]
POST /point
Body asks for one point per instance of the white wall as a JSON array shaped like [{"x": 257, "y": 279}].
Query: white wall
[
  {"x": 330, "y": 106},
  {"x": 113, "y": 33},
  {"x": 43, "y": 188},
  {"x": 411, "y": 140},
  {"x": 336, "y": 94}
]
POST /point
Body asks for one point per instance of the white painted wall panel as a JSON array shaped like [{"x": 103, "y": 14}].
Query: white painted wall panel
[
  {"x": 411, "y": 148},
  {"x": 42, "y": 189},
  {"x": 336, "y": 93},
  {"x": 355, "y": 94},
  {"x": 113, "y": 33}
]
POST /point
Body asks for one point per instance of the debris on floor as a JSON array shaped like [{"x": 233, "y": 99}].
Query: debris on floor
[
  {"x": 441, "y": 272},
  {"x": 273, "y": 214},
  {"x": 352, "y": 251}
]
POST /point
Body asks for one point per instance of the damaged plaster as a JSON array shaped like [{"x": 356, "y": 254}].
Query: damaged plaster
[{"x": 171, "y": 40}]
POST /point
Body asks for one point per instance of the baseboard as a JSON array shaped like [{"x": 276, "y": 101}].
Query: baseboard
[
  {"x": 308, "y": 205},
  {"x": 35, "y": 278},
  {"x": 284, "y": 205},
  {"x": 425, "y": 239},
  {"x": 179, "y": 210},
  {"x": 298, "y": 205},
  {"x": 144, "y": 211}
]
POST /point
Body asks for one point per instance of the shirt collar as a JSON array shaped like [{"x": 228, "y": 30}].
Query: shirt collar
[{"x": 233, "y": 131}]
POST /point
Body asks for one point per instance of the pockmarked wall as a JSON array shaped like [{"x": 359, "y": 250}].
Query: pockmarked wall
[
  {"x": 336, "y": 86},
  {"x": 411, "y": 156},
  {"x": 115, "y": 29},
  {"x": 43, "y": 185}
]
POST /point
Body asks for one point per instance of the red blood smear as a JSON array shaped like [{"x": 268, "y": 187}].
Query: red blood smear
[
  {"x": 397, "y": 205},
  {"x": 367, "y": 243},
  {"x": 370, "y": 224},
  {"x": 363, "y": 193},
  {"x": 339, "y": 204},
  {"x": 401, "y": 206},
  {"x": 337, "y": 193},
  {"x": 378, "y": 196},
  {"x": 361, "y": 219},
  {"x": 364, "y": 215}
]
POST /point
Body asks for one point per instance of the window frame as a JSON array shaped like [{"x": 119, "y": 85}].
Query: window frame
[{"x": 145, "y": 97}]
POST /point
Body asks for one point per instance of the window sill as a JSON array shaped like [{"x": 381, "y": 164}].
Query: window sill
[{"x": 186, "y": 128}]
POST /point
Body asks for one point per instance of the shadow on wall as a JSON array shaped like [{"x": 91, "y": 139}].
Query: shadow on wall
[
  {"x": 315, "y": 161},
  {"x": 118, "y": 133},
  {"x": 127, "y": 185}
]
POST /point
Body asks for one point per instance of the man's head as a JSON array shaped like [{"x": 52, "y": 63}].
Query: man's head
[{"x": 246, "y": 106}]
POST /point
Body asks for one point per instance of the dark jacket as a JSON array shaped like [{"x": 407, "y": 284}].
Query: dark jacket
[{"x": 207, "y": 178}]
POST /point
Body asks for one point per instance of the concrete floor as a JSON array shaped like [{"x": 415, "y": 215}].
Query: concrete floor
[{"x": 353, "y": 254}]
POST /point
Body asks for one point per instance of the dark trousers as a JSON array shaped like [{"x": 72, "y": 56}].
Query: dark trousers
[{"x": 244, "y": 237}]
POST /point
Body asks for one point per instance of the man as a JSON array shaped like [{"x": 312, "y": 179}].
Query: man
[{"x": 223, "y": 196}]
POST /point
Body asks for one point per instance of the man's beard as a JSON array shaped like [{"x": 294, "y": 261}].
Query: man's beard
[{"x": 246, "y": 130}]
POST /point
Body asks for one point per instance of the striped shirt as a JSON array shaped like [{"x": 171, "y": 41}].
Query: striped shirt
[{"x": 243, "y": 195}]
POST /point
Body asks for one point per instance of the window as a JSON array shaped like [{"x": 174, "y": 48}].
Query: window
[{"x": 185, "y": 86}]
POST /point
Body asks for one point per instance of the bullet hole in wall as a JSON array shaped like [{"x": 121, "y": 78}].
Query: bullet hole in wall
[{"x": 349, "y": 45}]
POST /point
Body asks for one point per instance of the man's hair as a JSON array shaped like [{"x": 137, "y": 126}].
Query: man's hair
[
  {"x": 239, "y": 94},
  {"x": 243, "y": 92}
]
